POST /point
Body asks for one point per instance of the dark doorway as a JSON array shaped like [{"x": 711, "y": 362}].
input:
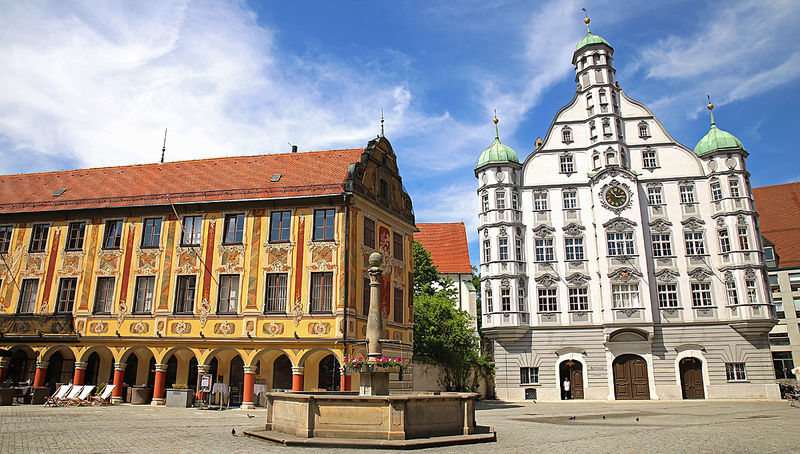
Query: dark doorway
[
  {"x": 329, "y": 373},
  {"x": 630, "y": 378},
  {"x": 172, "y": 371},
  {"x": 237, "y": 380},
  {"x": 92, "y": 369},
  {"x": 282, "y": 373},
  {"x": 55, "y": 368},
  {"x": 574, "y": 371},
  {"x": 691, "y": 370},
  {"x": 192, "y": 379},
  {"x": 131, "y": 368},
  {"x": 18, "y": 367},
  {"x": 151, "y": 374}
]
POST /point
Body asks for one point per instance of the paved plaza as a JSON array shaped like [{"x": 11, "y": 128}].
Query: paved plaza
[{"x": 662, "y": 427}]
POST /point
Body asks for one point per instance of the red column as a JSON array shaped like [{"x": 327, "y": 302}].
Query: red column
[
  {"x": 346, "y": 381},
  {"x": 41, "y": 373},
  {"x": 247, "y": 392},
  {"x": 297, "y": 378},
  {"x": 119, "y": 380},
  {"x": 159, "y": 387},
  {"x": 80, "y": 374},
  {"x": 4, "y": 368}
]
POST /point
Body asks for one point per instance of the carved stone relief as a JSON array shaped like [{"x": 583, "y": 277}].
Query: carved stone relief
[
  {"x": 619, "y": 224},
  {"x": 666, "y": 275},
  {"x": 693, "y": 223},
  {"x": 108, "y": 262},
  {"x": 624, "y": 274},
  {"x": 543, "y": 231},
  {"x": 699, "y": 274},
  {"x": 546, "y": 280},
  {"x": 578, "y": 279},
  {"x": 573, "y": 229},
  {"x": 660, "y": 225}
]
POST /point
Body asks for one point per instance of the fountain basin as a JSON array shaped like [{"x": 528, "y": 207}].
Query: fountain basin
[{"x": 396, "y": 417}]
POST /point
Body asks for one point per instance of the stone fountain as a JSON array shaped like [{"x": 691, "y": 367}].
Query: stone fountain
[{"x": 373, "y": 418}]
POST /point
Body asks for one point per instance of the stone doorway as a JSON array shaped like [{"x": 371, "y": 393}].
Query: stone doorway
[
  {"x": 691, "y": 371},
  {"x": 574, "y": 371},
  {"x": 630, "y": 378}
]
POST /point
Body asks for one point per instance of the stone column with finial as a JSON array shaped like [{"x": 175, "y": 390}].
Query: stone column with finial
[{"x": 374, "y": 383}]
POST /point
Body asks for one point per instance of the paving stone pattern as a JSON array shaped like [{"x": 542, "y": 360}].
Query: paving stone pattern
[{"x": 663, "y": 427}]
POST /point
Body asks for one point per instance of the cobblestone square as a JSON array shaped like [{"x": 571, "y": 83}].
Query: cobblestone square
[{"x": 662, "y": 427}]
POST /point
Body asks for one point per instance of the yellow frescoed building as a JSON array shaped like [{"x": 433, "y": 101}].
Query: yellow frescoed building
[{"x": 251, "y": 268}]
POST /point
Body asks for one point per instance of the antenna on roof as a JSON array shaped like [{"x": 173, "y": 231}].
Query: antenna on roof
[
  {"x": 382, "y": 123},
  {"x": 292, "y": 147},
  {"x": 164, "y": 146}
]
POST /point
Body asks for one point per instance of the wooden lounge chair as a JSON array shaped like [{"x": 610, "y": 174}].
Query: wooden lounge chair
[
  {"x": 104, "y": 398},
  {"x": 72, "y": 394},
  {"x": 60, "y": 393},
  {"x": 83, "y": 397}
]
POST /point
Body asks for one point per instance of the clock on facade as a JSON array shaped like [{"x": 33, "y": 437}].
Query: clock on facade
[{"x": 616, "y": 196}]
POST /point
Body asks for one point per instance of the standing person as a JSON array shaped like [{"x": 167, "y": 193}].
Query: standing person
[{"x": 565, "y": 388}]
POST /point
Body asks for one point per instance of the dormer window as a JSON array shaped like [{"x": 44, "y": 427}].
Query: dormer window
[
  {"x": 566, "y": 134},
  {"x": 644, "y": 130}
]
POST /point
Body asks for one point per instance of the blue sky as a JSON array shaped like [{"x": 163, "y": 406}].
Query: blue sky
[{"x": 95, "y": 83}]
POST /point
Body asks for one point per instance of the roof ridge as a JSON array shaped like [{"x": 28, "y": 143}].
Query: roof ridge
[
  {"x": 776, "y": 185},
  {"x": 220, "y": 158}
]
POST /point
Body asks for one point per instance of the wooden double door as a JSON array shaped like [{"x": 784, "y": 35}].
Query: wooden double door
[
  {"x": 574, "y": 371},
  {"x": 630, "y": 378},
  {"x": 691, "y": 371}
]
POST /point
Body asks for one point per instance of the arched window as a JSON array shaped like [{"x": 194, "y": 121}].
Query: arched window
[
  {"x": 644, "y": 130},
  {"x": 596, "y": 161}
]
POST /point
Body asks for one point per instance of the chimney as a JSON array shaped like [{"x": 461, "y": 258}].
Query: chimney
[{"x": 294, "y": 148}]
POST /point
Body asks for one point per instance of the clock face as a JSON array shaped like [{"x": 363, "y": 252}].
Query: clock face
[{"x": 616, "y": 196}]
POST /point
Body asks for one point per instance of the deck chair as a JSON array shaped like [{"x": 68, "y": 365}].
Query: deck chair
[
  {"x": 104, "y": 398},
  {"x": 73, "y": 393},
  {"x": 60, "y": 393},
  {"x": 83, "y": 397}
]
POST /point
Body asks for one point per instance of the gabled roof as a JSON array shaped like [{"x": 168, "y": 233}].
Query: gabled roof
[
  {"x": 779, "y": 217},
  {"x": 447, "y": 243},
  {"x": 219, "y": 179}
]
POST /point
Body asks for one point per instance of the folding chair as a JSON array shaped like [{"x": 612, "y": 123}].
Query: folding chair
[
  {"x": 83, "y": 397},
  {"x": 104, "y": 398},
  {"x": 73, "y": 393},
  {"x": 60, "y": 393}
]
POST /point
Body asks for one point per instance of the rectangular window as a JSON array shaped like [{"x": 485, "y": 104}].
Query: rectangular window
[
  {"x": 783, "y": 365},
  {"x": 151, "y": 236},
  {"x": 228, "y": 300},
  {"x": 323, "y": 224},
  {"x": 519, "y": 249},
  {"x": 529, "y": 375},
  {"x": 724, "y": 241},
  {"x": 779, "y": 308},
  {"x": 383, "y": 189},
  {"x": 648, "y": 157},
  {"x": 521, "y": 296},
  {"x": 654, "y": 196},
  {"x": 234, "y": 229},
  {"x": 321, "y": 291},
  {"x": 184, "y": 295},
  {"x": 570, "y": 200},
  {"x": 500, "y": 199},
  {"x": 643, "y": 134},
  {"x": 280, "y": 223},
  {"x": 620, "y": 243},
  {"x": 544, "y": 250},
  {"x": 567, "y": 165},
  {"x": 701, "y": 294},
  {"x": 505, "y": 299},
  {"x": 398, "y": 246},
  {"x": 66, "y": 294},
  {"x": 113, "y": 235},
  {"x": 275, "y": 298},
  {"x": 489, "y": 305},
  {"x": 503, "y": 247},
  {"x": 485, "y": 202},
  {"x": 735, "y": 372},
  {"x": 744, "y": 239},
  {"x": 752, "y": 297},
  {"x": 143, "y": 299},
  {"x": 540, "y": 201},
  {"x": 716, "y": 192},
  {"x": 487, "y": 251},
  {"x": 694, "y": 243},
  {"x": 365, "y": 297},
  {"x": 5, "y": 238},
  {"x": 514, "y": 201},
  {"x": 548, "y": 301},
  {"x": 579, "y": 299},
  {"x": 398, "y": 305},
  {"x": 39, "y": 237},
  {"x": 369, "y": 232},
  {"x": 667, "y": 296},
  {"x": 75, "y": 234},
  {"x": 192, "y": 230},
  {"x": 104, "y": 295},
  {"x": 625, "y": 295},
  {"x": 662, "y": 244},
  {"x": 687, "y": 194},
  {"x": 573, "y": 248},
  {"x": 27, "y": 297},
  {"x": 731, "y": 293},
  {"x": 733, "y": 183}
]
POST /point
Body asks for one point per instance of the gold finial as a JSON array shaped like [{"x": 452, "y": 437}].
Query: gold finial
[
  {"x": 586, "y": 20},
  {"x": 710, "y": 106},
  {"x": 495, "y": 121}
]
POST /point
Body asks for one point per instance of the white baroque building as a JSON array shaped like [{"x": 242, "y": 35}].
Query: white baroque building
[{"x": 617, "y": 257}]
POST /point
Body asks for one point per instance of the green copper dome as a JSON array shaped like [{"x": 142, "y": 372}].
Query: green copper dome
[
  {"x": 497, "y": 152},
  {"x": 591, "y": 39},
  {"x": 716, "y": 139}
]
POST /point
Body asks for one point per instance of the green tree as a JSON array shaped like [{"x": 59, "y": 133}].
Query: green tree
[{"x": 426, "y": 274}]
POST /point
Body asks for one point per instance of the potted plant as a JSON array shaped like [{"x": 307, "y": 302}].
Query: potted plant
[{"x": 179, "y": 396}]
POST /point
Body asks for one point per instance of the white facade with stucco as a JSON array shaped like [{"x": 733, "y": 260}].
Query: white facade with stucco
[{"x": 604, "y": 258}]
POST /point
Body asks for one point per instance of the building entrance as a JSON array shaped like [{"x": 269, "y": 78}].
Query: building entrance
[
  {"x": 574, "y": 371},
  {"x": 630, "y": 378},
  {"x": 691, "y": 370}
]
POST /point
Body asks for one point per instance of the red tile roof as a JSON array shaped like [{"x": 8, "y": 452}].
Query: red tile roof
[
  {"x": 779, "y": 217},
  {"x": 234, "y": 178},
  {"x": 447, "y": 243}
]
